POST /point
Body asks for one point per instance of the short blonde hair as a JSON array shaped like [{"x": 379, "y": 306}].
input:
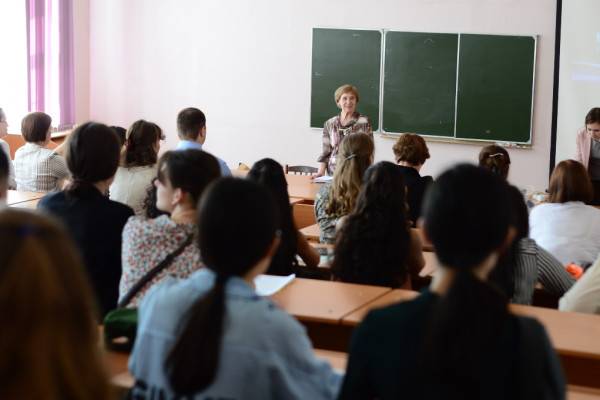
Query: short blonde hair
[{"x": 345, "y": 89}]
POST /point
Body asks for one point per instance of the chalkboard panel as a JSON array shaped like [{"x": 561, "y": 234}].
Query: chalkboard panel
[
  {"x": 419, "y": 83},
  {"x": 341, "y": 56},
  {"x": 495, "y": 88}
]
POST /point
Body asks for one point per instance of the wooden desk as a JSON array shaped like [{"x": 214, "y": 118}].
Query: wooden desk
[
  {"x": 574, "y": 336},
  {"x": 14, "y": 197},
  {"x": 295, "y": 200},
  {"x": 582, "y": 393},
  {"x": 31, "y": 204},
  {"x": 300, "y": 186},
  {"x": 321, "y": 305},
  {"x": 391, "y": 297},
  {"x": 311, "y": 232}
]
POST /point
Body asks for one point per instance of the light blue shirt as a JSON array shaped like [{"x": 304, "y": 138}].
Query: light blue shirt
[
  {"x": 265, "y": 353},
  {"x": 188, "y": 144}
]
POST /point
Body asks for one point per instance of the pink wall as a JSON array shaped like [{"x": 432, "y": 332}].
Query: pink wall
[{"x": 247, "y": 65}]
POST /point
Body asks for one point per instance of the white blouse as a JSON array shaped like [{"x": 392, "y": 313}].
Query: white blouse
[
  {"x": 569, "y": 231},
  {"x": 131, "y": 184}
]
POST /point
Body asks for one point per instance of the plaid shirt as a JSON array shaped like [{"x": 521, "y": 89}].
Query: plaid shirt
[
  {"x": 38, "y": 169},
  {"x": 334, "y": 132}
]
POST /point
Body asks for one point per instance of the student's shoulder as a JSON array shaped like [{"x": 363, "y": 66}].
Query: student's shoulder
[
  {"x": 52, "y": 199},
  {"x": 398, "y": 313},
  {"x": 119, "y": 209}
]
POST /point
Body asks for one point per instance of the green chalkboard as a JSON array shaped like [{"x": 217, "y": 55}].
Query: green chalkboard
[
  {"x": 495, "y": 88},
  {"x": 341, "y": 56},
  {"x": 419, "y": 88}
]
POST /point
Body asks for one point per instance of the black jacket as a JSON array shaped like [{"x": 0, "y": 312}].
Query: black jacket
[{"x": 95, "y": 223}]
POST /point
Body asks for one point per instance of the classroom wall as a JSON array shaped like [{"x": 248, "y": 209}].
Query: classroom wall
[{"x": 247, "y": 65}]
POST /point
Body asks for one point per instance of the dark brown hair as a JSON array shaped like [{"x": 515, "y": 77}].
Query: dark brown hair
[
  {"x": 50, "y": 347},
  {"x": 34, "y": 127},
  {"x": 373, "y": 244},
  {"x": 139, "y": 147},
  {"x": 189, "y": 170},
  {"x": 93, "y": 154},
  {"x": 189, "y": 123},
  {"x": 570, "y": 182},
  {"x": 593, "y": 116},
  {"x": 411, "y": 148},
  {"x": 496, "y": 159}
]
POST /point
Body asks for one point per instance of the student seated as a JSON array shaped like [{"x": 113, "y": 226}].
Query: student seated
[
  {"x": 336, "y": 199},
  {"x": 121, "y": 134},
  {"x": 94, "y": 221},
  {"x": 138, "y": 165},
  {"x": 526, "y": 263},
  {"x": 270, "y": 173},
  {"x": 496, "y": 159},
  {"x": 182, "y": 177},
  {"x": 191, "y": 128},
  {"x": 37, "y": 168},
  {"x": 375, "y": 244},
  {"x": 49, "y": 338},
  {"x": 567, "y": 227},
  {"x": 211, "y": 336},
  {"x": 411, "y": 152},
  {"x": 584, "y": 296},
  {"x": 458, "y": 340},
  {"x": 4, "y": 178},
  {"x": 6, "y": 149}
]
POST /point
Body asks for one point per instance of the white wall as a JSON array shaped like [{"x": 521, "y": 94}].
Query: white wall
[
  {"x": 579, "y": 78},
  {"x": 247, "y": 65}
]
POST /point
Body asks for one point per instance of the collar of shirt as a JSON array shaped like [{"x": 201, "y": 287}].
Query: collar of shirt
[
  {"x": 236, "y": 286},
  {"x": 350, "y": 123},
  {"x": 188, "y": 144}
]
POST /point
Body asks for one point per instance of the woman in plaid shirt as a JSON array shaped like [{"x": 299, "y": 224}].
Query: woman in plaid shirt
[{"x": 336, "y": 128}]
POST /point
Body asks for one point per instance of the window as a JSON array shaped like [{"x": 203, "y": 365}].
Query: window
[{"x": 13, "y": 63}]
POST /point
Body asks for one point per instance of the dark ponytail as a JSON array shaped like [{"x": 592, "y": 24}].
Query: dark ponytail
[
  {"x": 467, "y": 215},
  {"x": 228, "y": 205},
  {"x": 269, "y": 173},
  {"x": 496, "y": 159}
]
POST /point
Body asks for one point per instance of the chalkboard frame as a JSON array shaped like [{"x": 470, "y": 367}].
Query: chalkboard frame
[
  {"x": 444, "y": 139},
  {"x": 455, "y": 139},
  {"x": 381, "y": 32}
]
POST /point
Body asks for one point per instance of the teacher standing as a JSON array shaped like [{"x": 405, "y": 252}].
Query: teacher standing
[
  {"x": 336, "y": 128},
  {"x": 588, "y": 149}
]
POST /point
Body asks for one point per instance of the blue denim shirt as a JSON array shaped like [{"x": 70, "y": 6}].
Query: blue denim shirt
[
  {"x": 188, "y": 144},
  {"x": 265, "y": 353}
]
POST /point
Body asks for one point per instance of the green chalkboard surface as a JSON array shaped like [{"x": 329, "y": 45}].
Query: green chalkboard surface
[
  {"x": 495, "y": 88},
  {"x": 419, "y": 88},
  {"x": 341, "y": 56}
]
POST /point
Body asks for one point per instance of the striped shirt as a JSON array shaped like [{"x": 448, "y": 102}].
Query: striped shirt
[
  {"x": 534, "y": 264},
  {"x": 38, "y": 169}
]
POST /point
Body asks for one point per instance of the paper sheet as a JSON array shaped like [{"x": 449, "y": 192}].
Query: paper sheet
[
  {"x": 323, "y": 179},
  {"x": 268, "y": 285}
]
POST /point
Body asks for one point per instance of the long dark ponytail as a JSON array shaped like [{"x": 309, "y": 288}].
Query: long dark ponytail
[
  {"x": 269, "y": 173},
  {"x": 229, "y": 205},
  {"x": 467, "y": 215}
]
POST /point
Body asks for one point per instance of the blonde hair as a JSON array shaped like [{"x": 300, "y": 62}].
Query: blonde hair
[
  {"x": 354, "y": 157},
  {"x": 345, "y": 89},
  {"x": 49, "y": 342}
]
